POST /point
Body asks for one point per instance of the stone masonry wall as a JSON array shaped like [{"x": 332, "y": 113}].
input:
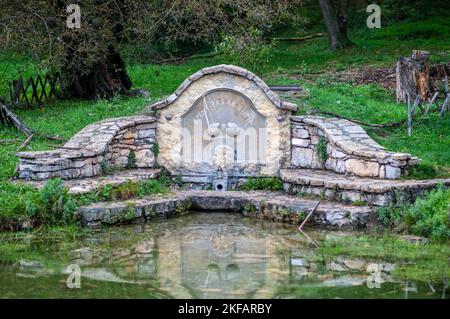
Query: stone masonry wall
[
  {"x": 341, "y": 146},
  {"x": 103, "y": 144}
]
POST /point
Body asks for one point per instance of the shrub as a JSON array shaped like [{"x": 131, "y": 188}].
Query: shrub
[
  {"x": 52, "y": 204},
  {"x": 262, "y": 183},
  {"x": 428, "y": 216},
  {"x": 249, "y": 51}
]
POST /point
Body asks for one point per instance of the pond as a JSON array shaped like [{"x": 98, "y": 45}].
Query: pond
[{"x": 200, "y": 255}]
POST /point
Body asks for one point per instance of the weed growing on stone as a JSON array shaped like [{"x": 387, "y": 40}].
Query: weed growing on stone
[
  {"x": 131, "y": 160},
  {"x": 155, "y": 149},
  {"x": 322, "y": 149},
  {"x": 262, "y": 183}
]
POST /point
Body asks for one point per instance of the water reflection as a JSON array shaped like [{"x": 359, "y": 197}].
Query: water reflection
[{"x": 205, "y": 255}]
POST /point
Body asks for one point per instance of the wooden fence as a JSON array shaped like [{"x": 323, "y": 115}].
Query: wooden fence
[{"x": 26, "y": 94}]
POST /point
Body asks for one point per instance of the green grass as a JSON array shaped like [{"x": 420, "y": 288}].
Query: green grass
[{"x": 372, "y": 104}]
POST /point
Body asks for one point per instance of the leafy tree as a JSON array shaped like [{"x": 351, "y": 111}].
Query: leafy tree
[{"x": 88, "y": 58}]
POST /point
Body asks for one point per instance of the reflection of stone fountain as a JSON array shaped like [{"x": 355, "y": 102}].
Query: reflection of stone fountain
[{"x": 215, "y": 267}]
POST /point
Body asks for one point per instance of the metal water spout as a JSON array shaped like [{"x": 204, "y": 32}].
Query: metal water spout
[{"x": 220, "y": 182}]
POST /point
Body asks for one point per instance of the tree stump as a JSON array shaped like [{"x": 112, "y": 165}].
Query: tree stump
[{"x": 413, "y": 78}]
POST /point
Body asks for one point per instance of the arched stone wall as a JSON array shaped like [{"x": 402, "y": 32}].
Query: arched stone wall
[{"x": 170, "y": 114}]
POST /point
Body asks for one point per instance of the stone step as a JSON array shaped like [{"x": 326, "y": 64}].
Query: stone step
[
  {"x": 274, "y": 206},
  {"x": 379, "y": 192},
  {"x": 86, "y": 185}
]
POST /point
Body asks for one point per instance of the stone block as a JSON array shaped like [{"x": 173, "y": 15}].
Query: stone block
[
  {"x": 300, "y": 142},
  {"x": 145, "y": 158},
  {"x": 330, "y": 164},
  {"x": 302, "y": 157},
  {"x": 300, "y": 133},
  {"x": 317, "y": 162},
  {"x": 337, "y": 154},
  {"x": 146, "y": 133},
  {"x": 362, "y": 168},
  {"x": 340, "y": 166},
  {"x": 315, "y": 139},
  {"x": 393, "y": 172}
]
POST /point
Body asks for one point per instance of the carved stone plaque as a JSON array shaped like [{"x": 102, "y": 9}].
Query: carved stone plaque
[{"x": 223, "y": 130}]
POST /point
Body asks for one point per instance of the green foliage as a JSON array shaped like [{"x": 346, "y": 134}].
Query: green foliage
[
  {"x": 249, "y": 208},
  {"x": 359, "y": 203},
  {"x": 131, "y": 160},
  {"x": 106, "y": 168},
  {"x": 54, "y": 204},
  {"x": 155, "y": 149},
  {"x": 249, "y": 51},
  {"x": 431, "y": 216},
  {"x": 126, "y": 190},
  {"x": 423, "y": 171},
  {"x": 262, "y": 183},
  {"x": 51, "y": 205},
  {"x": 153, "y": 186},
  {"x": 322, "y": 149},
  {"x": 428, "y": 216},
  {"x": 178, "y": 181}
]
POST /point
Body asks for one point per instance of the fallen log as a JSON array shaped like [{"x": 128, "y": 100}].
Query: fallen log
[
  {"x": 300, "y": 39},
  {"x": 7, "y": 141},
  {"x": 392, "y": 124},
  {"x": 285, "y": 88},
  {"x": 25, "y": 143}
]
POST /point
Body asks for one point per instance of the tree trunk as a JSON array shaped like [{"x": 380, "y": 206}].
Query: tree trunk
[
  {"x": 413, "y": 77},
  {"x": 106, "y": 78},
  {"x": 336, "y": 29}
]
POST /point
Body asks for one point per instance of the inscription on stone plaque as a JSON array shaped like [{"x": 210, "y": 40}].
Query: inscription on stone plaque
[{"x": 224, "y": 130}]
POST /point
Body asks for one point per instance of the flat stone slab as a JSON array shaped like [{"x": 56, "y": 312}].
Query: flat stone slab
[
  {"x": 86, "y": 185},
  {"x": 379, "y": 192},
  {"x": 275, "y": 206},
  {"x": 330, "y": 179}
]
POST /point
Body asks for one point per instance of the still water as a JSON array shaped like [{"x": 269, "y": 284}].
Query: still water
[{"x": 200, "y": 255}]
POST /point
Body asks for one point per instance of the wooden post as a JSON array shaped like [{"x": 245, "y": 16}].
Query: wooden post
[{"x": 409, "y": 116}]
